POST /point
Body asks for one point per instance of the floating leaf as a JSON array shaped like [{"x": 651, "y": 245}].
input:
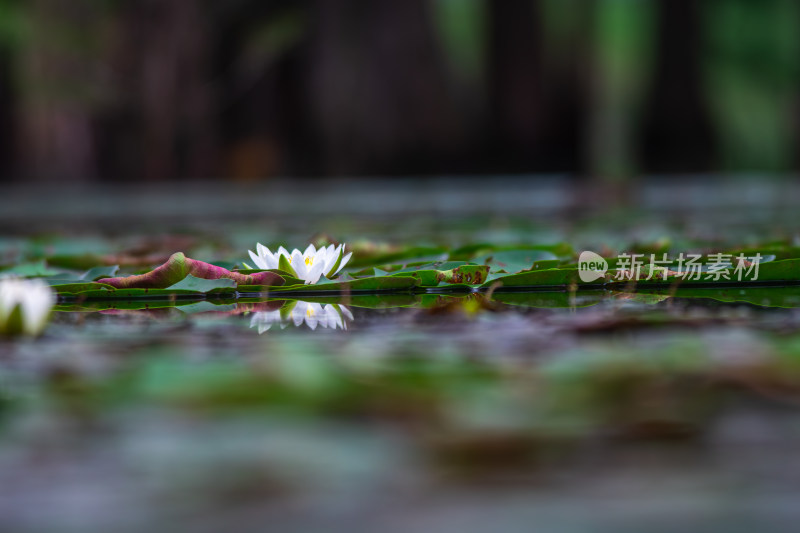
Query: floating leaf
[
  {"x": 409, "y": 255},
  {"x": 536, "y": 278},
  {"x": 462, "y": 275},
  {"x": 67, "y": 288},
  {"x": 30, "y": 270},
  {"x": 513, "y": 261},
  {"x": 99, "y": 272},
  {"x": 285, "y": 266},
  {"x": 123, "y": 294},
  {"x": 192, "y": 283}
]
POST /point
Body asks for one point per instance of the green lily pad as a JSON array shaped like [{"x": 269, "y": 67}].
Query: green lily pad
[
  {"x": 513, "y": 261},
  {"x": 192, "y": 283},
  {"x": 560, "y": 277},
  {"x": 31, "y": 270},
  {"x": 461, "y": 275},
  {"x": 415, "y": 254},
  {"x": 72, "y": 288},
  {"x": 100, "y": 272}
]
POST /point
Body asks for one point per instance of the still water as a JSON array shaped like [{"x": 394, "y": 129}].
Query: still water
[{"x": 600, "y": 410}]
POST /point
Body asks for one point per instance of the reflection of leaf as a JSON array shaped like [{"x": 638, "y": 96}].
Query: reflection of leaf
[
  {"x": 205, "y": 307},
  {"x": 787, "y": 297},
  {"x": 548, "y": 299},
  {"x": 383, "y": 283},
  {"x": 373, "y": 301},
  {"x": 124, "y": 305}
]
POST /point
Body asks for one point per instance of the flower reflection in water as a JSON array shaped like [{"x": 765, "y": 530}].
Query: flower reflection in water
[{"x": 312, "y": 314}]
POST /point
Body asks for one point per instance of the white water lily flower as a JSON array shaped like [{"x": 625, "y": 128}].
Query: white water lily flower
[
  {"x": 308, "y": 313},
  {"x": 24, "y": 305},
  {"x": 308, "y": 265}
]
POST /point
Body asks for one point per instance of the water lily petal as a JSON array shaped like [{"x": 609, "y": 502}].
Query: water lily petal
[
  {"x": 345, "y": 259},
  {"x": 334, "y": 254},
  {"x": 310, "y": 251},
  {"x": 33, "y": 298},
  {"x": 313, "y": 274},
  {"x": 258, "y": 260},
  {"x": 262, "y": 250},
  {"x": 271, "y": 261},
  {"x": 36, "y": 308},
  {"x": 333, "y": 261},
  {"x": 321, "y": 256},
  {"x": 299, "y": 265}
]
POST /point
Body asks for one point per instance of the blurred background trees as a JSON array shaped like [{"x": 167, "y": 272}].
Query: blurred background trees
[{"x": 159, "y": 90}]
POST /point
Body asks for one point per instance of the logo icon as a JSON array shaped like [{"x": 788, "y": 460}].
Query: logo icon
[{"x": 591, "y": 266}]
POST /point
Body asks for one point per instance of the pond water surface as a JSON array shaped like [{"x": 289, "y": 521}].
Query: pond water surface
[{"x": 602, "y": 410}]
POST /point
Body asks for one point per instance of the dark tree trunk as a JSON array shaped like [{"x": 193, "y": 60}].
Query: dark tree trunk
[
  {"x": 264, "y": 112},
  {"x": 378, "y": 88},
  {"x": 163, "y": 125},
  {"x": 677, "y": 130},
  {"x": 515, "y": 85},
  {"x": 7, "y": 125}
]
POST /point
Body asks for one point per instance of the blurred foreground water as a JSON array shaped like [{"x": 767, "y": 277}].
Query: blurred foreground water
[{"x": 603, "y": 411}]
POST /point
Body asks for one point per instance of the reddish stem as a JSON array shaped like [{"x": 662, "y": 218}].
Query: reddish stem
[{"x": 179, "y": 266}]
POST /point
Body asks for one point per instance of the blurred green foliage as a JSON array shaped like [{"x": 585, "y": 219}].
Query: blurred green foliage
[{"x": 98, "y": 87}]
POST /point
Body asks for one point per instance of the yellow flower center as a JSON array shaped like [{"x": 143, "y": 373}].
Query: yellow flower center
[
  {"x": 309, "y": 261},
  {"x": 309, "y": 312}
]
